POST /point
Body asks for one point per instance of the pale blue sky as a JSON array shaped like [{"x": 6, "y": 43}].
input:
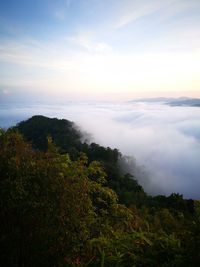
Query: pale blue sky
[{"x": 99, "y": 48}]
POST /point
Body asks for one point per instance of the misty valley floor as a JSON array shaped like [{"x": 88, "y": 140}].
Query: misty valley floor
[{"x": 163, "y": 139}]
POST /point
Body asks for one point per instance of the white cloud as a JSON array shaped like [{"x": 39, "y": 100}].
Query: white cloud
[
  {"x": 91, "y": 46},
  {"x": 161, "y": 138},
  {"x": 32, "y": 53},
  {"x": 134, "y": 10},
  {"x": 175, "y": 24}
]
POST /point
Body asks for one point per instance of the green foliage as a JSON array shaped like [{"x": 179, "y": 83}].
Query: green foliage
[
  {"x": 67, "y": 139},
  {"x": 45, "y": 196},
  {"x": 60, "y": 209},
  {"x": 62, "y": 132}
]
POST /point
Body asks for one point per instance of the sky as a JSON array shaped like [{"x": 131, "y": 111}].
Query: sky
[{"x": 99, "y": 49}]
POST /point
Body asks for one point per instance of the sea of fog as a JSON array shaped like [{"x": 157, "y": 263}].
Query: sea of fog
[{"x": 163, "y": 140}]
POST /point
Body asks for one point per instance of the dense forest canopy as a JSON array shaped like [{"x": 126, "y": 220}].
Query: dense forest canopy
[{"x": 65, "y": 202}]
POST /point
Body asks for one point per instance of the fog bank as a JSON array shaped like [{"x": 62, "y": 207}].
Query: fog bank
[{"x": 165, "y": 140}]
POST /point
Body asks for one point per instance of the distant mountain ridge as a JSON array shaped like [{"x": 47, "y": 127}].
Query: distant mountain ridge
[
  {"x": 181, "y": 101},
  {"x": 190, "y": 102}
]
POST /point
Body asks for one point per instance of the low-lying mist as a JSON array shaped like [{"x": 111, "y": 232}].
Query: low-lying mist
[{"x": 163, "y": 140}]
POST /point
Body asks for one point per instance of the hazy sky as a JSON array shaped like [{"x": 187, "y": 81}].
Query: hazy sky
[{"x": 99, "y": 48}]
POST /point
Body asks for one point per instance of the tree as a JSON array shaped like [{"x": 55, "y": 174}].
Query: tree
[{"x": 46, "y": 210}]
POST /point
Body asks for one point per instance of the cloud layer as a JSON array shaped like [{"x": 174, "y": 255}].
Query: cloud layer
[{"x": 164, "y": 140}]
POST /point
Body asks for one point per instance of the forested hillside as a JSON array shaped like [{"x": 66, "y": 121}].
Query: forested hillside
[{"x": 67, "y": 203}]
